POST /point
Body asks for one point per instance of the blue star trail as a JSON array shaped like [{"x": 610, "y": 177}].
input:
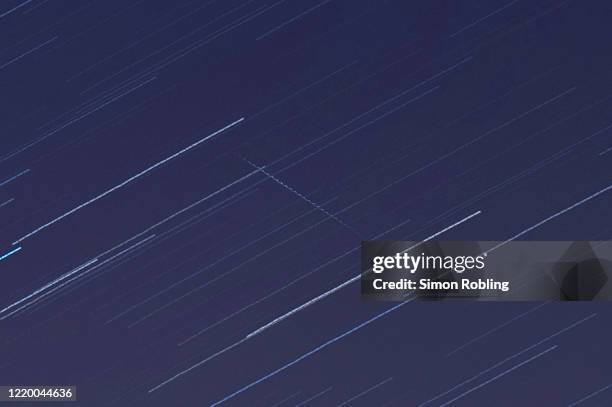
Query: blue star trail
[{"x": 185, "y": 187}]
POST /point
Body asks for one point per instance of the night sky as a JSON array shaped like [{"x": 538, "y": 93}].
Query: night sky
[{"x": 176, "y": 175}]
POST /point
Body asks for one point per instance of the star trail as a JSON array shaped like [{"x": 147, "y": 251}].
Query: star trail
[{"x": 185, "y": 186}]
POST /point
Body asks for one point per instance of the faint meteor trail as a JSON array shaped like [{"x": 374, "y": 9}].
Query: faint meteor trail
[
  {"x": 186, "y": 50},
  {"x": 283, "y": 401},
  {"x": 350, "y": 133},
  {"x": 605, "y": 151},
  {"x": 21, "y": 149},
  {"x": 76, "y": 119},
  {"x": 27, "y": 53},
  {"x": 91, "y": 102},
  {"x": 539, "y": 165},
  {"x": 6, "y": 13},
  {"x": 310, "y": 353},
  {"x": 473, "y": 141},
  {"x": 551, "y": 217},
  {"x": 355, "y": 85},
  {"x": 505, "y": 372},
  {"x": 499, "y": 10},
  {"x": 595, "y": 393},
  {"x": 138, "y": 41},
  {"x": 200, "y": 363},
  {"x": 352, "y": 280},
  {"x": 366, "y": 391},
  {"x": 9, "y": 254},
  {"x": 367, "y": 112},
  {"x": 6, "y": 202},
  {"x": 14, "y": 177},
  {"x": 127, "y": 181},
  {"x": 310, "y": 86},
  {"x": 35, "y": 7},
  {"x": 86, "y": 112},
  {"x": 200, "y": 43},
  {"x": 498, "y": 327},
  {"x": 308, "y": 400},
  {"x": 496, "y": 365},
  {"x": 303, "y": 13}
]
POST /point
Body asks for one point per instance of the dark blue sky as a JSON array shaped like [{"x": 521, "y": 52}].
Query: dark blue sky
[{"x": 159, "y": 249}]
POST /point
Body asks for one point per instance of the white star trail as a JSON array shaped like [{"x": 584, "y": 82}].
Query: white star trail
[
  {"x": 310, "y": 353},
  {"x": 7, "y": 202},
  {"x": 9, "y": 254},
  {"x": 27, "y": 53},
  {"x": 278, "y": 27},
  {"x": 505, "y": 372},
  {"x": 352, "y": 280},
  {"x": 189, "y": 188},
  {"x": 76, "y": 276},
  {"x": 605, "y": 151},
  {"x": 595, "y": 393},
  {"x": 17, "y": 7},
  {"x": 499, "y": 10},
  {"x": 319, "y": 394},
  {"x": 507, "y": 359},
  {"x": 284, "y": 287},
  {"x": 127, "y": 181},
  {"x": 497, "y": 328},
  {"x": 366, "y": 391},
  {"x": 14, "y": 177},
  {"x": 48, "y": 285},
  {"x": 551, "y": 217}
]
